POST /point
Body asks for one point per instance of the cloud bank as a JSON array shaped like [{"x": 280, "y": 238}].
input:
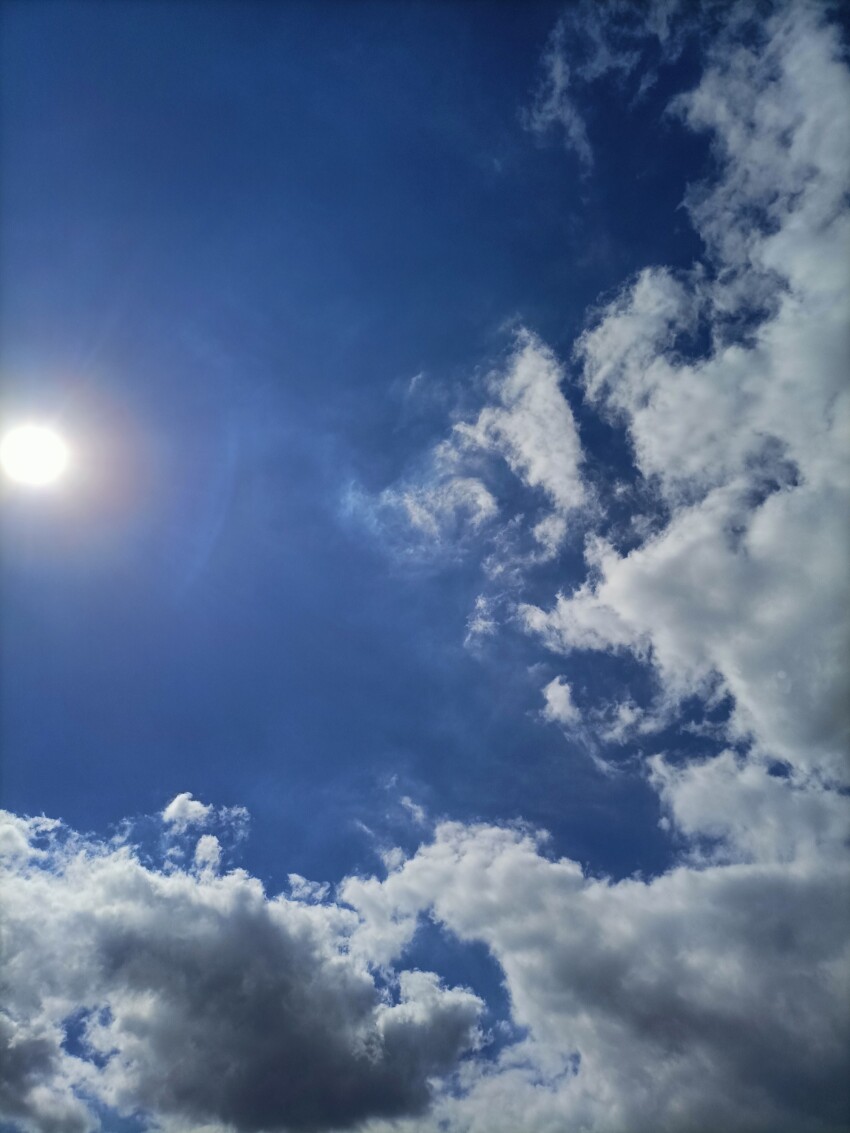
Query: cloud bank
[{"x": 195, "y": 998}]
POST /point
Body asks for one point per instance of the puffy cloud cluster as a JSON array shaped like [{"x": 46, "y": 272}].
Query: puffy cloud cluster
[
  {"x": 711, "y": 998},
  {"x": 195, "y": 998},
  {"x": 746, "y": 445},
  {"x": 716, "y": 995},
  {"x": 184, "y": 811},
  {"x": 708, "y": 996}
]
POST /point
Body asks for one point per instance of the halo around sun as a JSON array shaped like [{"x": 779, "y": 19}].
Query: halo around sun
[{"x": 33, "y": 454}]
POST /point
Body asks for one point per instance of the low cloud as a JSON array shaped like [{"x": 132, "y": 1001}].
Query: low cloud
[
  {"x": 196, "y": 998},
  {"x": 746, "y": 582},
  {"x": 184, "y": 811},
  {"x": 661, "y": 1005},
  {"x": 714, "y": 995},
  {"x": 559, "y": 707}
]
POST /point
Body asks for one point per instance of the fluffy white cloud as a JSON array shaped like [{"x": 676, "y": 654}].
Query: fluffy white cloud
[
  {"x": 184, "y": 811},
  {"x": 706, "y": 998},
  {"x": 745, "y": 812},
  {"x": 197, "y": 999},
  {"x": 559, "y": 707},
  {"x": 747, "y": 582},
  {"x": 715, "y": 995}
]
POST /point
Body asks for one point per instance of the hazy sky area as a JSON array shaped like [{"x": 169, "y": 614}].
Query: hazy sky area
[{"x": 423, "y": 702}]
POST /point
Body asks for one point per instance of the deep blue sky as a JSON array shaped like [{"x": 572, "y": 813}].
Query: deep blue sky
[
  {"x": 231, "y": 235},
  {"x": 457, "y": 403}
]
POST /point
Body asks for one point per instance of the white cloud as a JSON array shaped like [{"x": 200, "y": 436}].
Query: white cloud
[
  {"x": 200, "y": 1000},
  {"x": 596, "y": 39},
  {"x": 527, "y": 424},
  {"x": 435, "y": 508},
  {"x": 553, "y": 105},
  {"x": 482, "y": 621},
  {"x": 302, "y": 889},
  {"x": 530, "y": 425},
  {"x": 184, "y": 811},
  {"x": 662, "y": 1005},
  {"x": 559, "y": 707},
  {"x": 747, "y": 582},
  {"x": 715, "y": 995},
  {"x": 207, "y": 853},
  {"x": 416, "y": 812},
  {"x": 749, "y": 813}
]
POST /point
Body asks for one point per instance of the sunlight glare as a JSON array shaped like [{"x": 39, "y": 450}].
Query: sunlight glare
[{"x": 33, "y": 454}]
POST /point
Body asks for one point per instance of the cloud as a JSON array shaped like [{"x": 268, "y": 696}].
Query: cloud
[
  {"x": 183, "y": 811},
  {"x": 645, "y": 1005},
  {"x": 597, "y": 39},
  {"x": 552, "y": 104},
  {"x": 661, "y": 1005},
  {"x": 531, "y": 426},
  {"x": 447, "y": 505},
  {"x": 450, "y": 503},
  {"x": 416, "y": 812},
  {"x": 713, "y": 995},
  {"x": 207, "y": 852},
  {"x": 559, "y": 707},
  {"x": 746, "y": 582},
  {"x": 198, "y": 999},
  {"x": 743, "y": 811}
]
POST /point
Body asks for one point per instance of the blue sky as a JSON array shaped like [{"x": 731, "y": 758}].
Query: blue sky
[{"x": 436, "y": 650}]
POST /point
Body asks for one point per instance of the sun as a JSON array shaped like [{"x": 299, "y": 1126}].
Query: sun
[{"x": 34, "y": 455}]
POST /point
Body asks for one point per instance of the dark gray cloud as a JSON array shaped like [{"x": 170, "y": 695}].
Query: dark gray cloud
[{"x": 205, "y": 1001}]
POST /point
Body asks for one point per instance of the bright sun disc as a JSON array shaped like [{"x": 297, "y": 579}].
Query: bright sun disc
[{"x": 33, "y": 454}]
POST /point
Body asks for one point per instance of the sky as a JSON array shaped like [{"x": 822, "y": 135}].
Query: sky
[{"x": 424, "y": 695}]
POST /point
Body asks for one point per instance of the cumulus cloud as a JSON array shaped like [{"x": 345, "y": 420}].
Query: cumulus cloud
[
  {"x": 664, "y": 1005},
  {"x": 746, "y": 444},
  {"x": 714, "y": 995},
  {"x": 184, "y": 811},
  {"x": 732, "y": 808},
  {"x": 559, "y": 707},
  {"x": 198, "y": 999}
]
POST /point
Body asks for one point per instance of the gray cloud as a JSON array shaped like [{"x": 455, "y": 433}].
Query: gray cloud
[
  {"x": 706, "y": 998},
  {"x": 205, "y": 1001}
]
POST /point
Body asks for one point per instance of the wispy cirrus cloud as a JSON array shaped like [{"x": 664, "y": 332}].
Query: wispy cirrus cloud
[{"x": 526, "y": 424}]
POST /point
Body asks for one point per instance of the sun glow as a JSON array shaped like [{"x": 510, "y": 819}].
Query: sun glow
[{"x": 33, "y": 454}]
